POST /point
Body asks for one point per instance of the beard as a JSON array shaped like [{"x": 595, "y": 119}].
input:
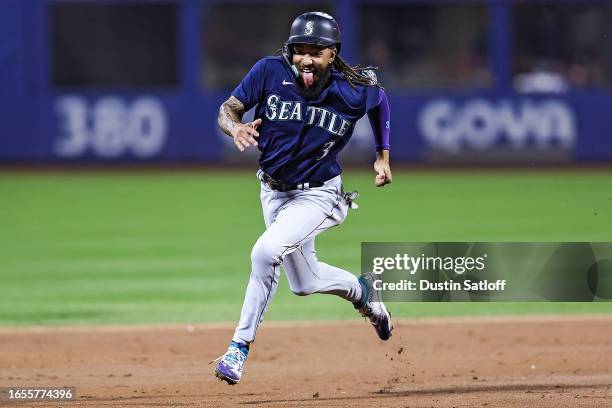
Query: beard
[{"x": 315, "y": 90}]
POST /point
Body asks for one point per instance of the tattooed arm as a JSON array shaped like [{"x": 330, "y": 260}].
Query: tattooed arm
[{"x": 230, "y": 121}]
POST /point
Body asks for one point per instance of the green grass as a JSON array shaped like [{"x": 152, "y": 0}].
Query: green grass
[{"x": 152, "y": 248}]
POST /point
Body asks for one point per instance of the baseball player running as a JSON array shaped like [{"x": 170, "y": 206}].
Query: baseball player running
[{"x": 308, "y": 101}]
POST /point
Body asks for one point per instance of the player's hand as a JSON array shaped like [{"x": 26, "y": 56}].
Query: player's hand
[
  {"x": 245, "y": 134},
  {"x": 382, "y": 168}
]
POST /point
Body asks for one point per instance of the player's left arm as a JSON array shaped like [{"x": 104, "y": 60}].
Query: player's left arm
[{"x": 380, "y": 120}]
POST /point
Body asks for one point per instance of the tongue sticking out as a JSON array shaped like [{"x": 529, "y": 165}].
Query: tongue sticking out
[{"x": 308, "y": 78}]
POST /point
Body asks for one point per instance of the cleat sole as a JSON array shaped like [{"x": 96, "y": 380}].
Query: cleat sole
[{"x": 223, "y": 377}]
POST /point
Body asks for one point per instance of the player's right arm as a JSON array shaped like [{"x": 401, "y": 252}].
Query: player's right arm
[{"x": 230, "y": 121}]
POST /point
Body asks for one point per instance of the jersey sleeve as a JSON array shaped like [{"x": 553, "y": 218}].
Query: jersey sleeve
[
  {"x": 380, "y": 117},
  {"x": 373, "y": 97},
  {"x": 251, "y": 89}
]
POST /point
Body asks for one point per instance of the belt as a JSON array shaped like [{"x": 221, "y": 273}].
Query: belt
[{"x": 280, "y": 186}]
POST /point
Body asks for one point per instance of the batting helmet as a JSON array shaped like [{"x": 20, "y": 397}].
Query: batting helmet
[{"x": 316, "y": 28}]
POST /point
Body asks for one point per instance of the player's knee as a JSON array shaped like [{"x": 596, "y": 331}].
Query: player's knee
[
  {"x": 265, "y": 253},
  {"x": 303, "y": 290}
]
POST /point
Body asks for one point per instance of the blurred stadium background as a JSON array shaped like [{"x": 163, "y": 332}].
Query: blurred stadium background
[
  {"x": 141, "y": 81},
  {"x": 116, "y": 84}
]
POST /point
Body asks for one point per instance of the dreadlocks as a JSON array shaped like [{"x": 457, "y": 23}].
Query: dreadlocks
[{"x": 356, "y": 75}]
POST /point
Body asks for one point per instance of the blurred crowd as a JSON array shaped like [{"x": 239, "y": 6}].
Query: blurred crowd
[{"x": 554, "y": 46}]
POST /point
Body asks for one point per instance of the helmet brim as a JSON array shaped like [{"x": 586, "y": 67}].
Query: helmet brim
[{"x": 307, "y": 39}]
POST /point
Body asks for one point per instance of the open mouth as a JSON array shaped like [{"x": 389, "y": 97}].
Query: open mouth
[{"x": 308, "y": 76}]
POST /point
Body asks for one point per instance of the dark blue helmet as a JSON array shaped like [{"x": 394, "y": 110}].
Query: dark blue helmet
[{"x": 316, "y": 28}]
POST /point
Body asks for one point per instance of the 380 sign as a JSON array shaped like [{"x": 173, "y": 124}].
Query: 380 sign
[{"x": 110, "y": 127}]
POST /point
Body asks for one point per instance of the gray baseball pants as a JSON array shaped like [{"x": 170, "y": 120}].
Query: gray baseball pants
[{"x": 293, "y": 220}]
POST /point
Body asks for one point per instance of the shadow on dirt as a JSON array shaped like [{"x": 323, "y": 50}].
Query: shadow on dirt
[{"x": 384, "y": 393}]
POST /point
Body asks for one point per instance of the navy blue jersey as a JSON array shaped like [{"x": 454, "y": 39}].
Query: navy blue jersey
[{"x": 300, "y": 138}]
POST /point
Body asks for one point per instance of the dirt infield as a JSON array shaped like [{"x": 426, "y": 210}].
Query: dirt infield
[{"x": 536, "y": 361}]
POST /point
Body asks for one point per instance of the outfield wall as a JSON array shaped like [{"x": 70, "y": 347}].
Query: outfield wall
[{"x": 48, "y": 113}]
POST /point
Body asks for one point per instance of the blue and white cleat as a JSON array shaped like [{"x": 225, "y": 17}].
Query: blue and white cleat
[
  {"x": 230, "y": 368},
  {"x": 372, "y": 307}
]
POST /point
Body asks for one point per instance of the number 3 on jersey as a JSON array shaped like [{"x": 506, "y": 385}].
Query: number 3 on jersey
[{"x": 326, "y": 148}]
